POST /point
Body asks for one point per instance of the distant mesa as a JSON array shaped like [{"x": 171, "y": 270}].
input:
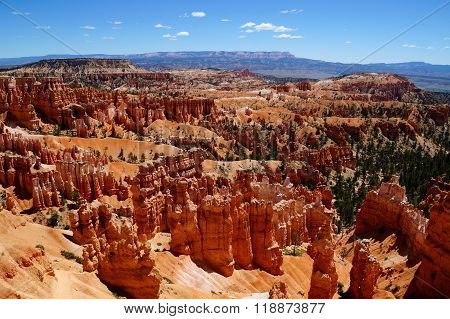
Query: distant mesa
[{"x": 278, "y": 64}]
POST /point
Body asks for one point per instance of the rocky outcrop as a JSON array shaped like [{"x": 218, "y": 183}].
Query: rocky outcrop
[
  {"x": 432, "y": 278},
  {"x": 290, "y": 222},
  {"x": 386, "y": 210},
  {"x": 221, "y": 223},
  {"x": 329, "y": 158},
  {"x": 48, "y": 184},
  {"x": 278, "y": 291},
  {"x": 112, "y": 248},
  {"x": 378, "y": 86},
  {"x": 216, "y": 229},
  {"x": 324, "y": 278},
  {"x": 242, "y": 244},
  {"x": 225, "y": 224},
  {"x": 30, "y": 178},
  {"x": 266, "y": 251},
  {"x": 81, "y": 109},
  {"x": 48, "y": 176},
  {"x": 16, "y": 98},
  {"x": 202, "y": 226},
  {"x": 365, "y": 272}
]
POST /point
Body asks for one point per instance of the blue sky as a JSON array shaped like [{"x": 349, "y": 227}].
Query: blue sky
[{"x": 337, "y": 31}]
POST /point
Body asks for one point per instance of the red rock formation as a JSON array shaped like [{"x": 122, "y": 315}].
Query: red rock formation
[
  {"x": 219, "y": 222},
  {"x": 387, "y": 210},
  {"x": 379, "y": 86},
  {"x": 365, "y": 272},
  {"x": 15, "y": 97},
  {"x": 111, "y": 247},
  {"x": 72, "y": 173},
  {"x": 331, "y": 157},
  {"x": 266, "y": 251},
  {"x": 290, "y": 222},
  {"x": 76, "y": 108},
  {"x": 278, "y": 291},
  {"x": 432, "y": 278},
  {"x": 392, "y": 130},
  {"x": 304, "y": 86},
  {"x": 216, "y": 230},
  {"x": 183, "y": 223},
  {"x": 242, "y": 245},
  {"x": 324, "y": 277}
]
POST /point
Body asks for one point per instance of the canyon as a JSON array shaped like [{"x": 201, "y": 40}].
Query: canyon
[{"x": 220, "y": 184}]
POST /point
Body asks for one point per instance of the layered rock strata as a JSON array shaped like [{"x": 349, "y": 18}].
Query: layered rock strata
[
  {"x": 365, "y": 272},
  {"x": 387, "y": 210},
  {"x": 112, "y": 248}
]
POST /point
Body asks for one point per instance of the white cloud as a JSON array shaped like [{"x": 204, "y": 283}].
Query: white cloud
[
  {"x": 169, "y": 36},
  {"x": 86, "y": 35},
  {"x": 242, "y": 36},
  {"x": 430, "y": 48},
  {"x": 447, "y": 47},
  {"x": 198, "y": 14},
  {"x": 42, "y": 27},
  {"x": 266, "y": 26},
  {"x": 292, "y": 11},
  {"x": 117, "y": 22},
  {"x": 281, "y": 29},
  {"x": 88, "y": 27},
  {"x": 409, "y": 46},
  {"x": 174, "y": 37},
  {"x": 251, "y": 27},
  {"x": 287, "y": 36},
  {"x": 108, "y": 38},
  {"x": 248, "y": 25},
  {"x": 348, "y": 42},
  {"x": 225, "y": 20},
  {"x": 282, "y": 36},
  {"x": 183, "y": 34},
  {"x": 162, "y": 26}
]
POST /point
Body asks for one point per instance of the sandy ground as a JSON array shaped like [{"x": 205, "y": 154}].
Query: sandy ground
[
  {"x": 111, "y": 146},
  {"x": 184, "y": 279},
  {"x": 22, "y": 275}
]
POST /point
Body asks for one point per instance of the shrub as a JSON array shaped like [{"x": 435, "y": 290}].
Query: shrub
[
  {"x": 54, "y": 219},
  {"x": 293, "y": 251},
  {"x": 76, "y": 201},
  {"x": 340, "y": 288},
  {"x": 71, "y": 256},
  {"x": 121, "y": 156}
]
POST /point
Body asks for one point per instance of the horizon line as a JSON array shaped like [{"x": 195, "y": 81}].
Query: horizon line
[{"x": 112, "y": 56}]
